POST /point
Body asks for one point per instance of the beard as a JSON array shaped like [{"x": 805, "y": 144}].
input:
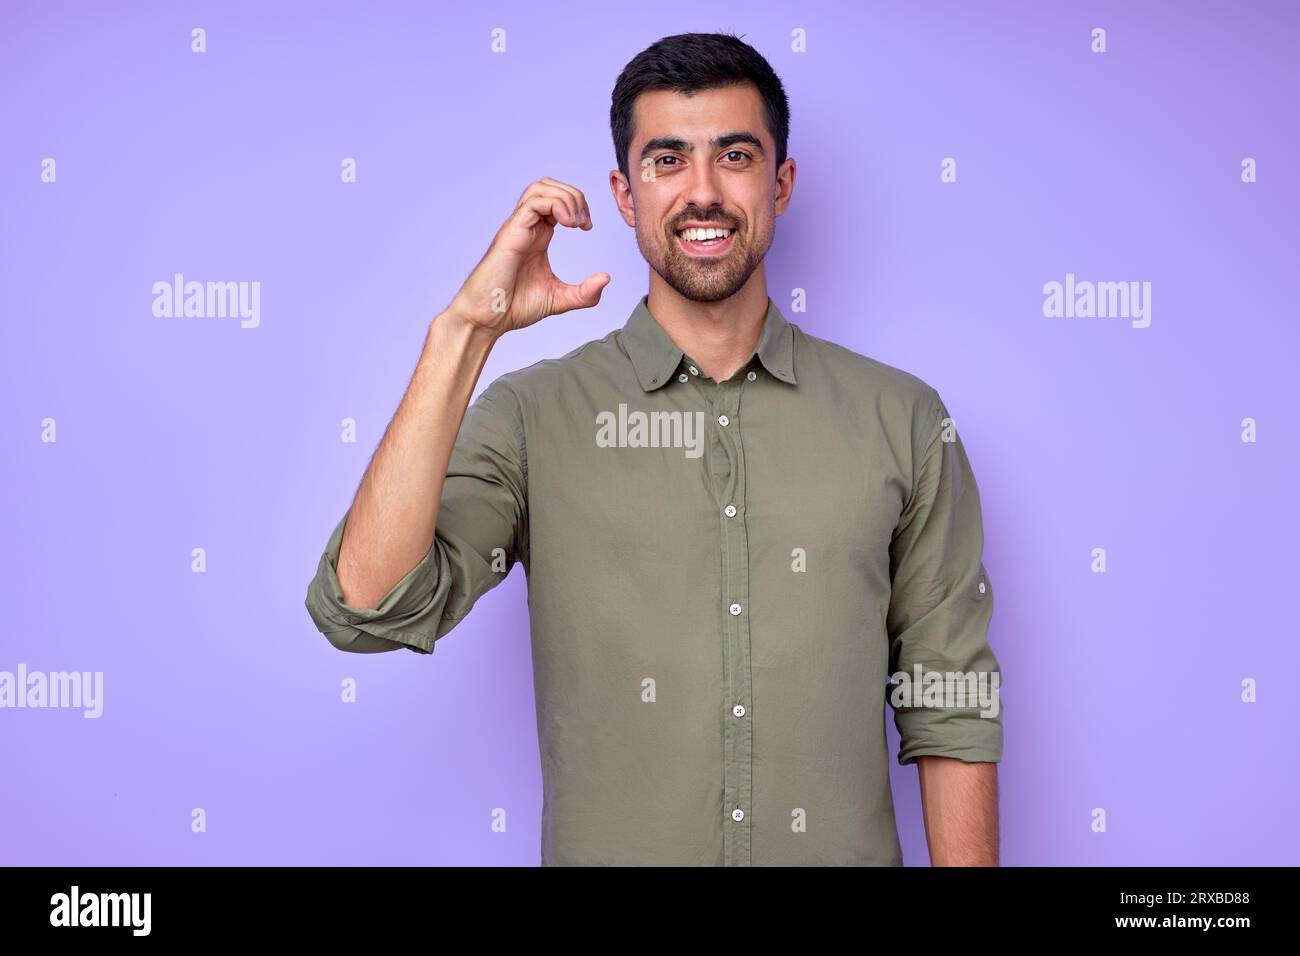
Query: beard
[{"x": 704, "y": 278}]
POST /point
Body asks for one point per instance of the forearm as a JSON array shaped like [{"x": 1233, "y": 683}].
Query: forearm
[
  {"x": 393, "y": 517},
  {"x": 960, "y": 804}
]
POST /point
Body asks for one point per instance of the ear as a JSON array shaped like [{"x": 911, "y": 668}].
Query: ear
[{"x": 623, "y": 197}]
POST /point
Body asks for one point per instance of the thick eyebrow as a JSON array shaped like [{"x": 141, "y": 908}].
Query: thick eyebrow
[{"x": 678, "y": 145}]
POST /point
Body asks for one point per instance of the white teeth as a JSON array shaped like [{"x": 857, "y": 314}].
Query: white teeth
[{"x": 697, "y": 235}]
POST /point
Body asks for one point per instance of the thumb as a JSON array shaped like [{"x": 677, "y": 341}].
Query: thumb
[{"x": 567, "y": 297}]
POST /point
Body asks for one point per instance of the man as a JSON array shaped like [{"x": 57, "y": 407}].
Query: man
[{"x": 733, "y": 532}]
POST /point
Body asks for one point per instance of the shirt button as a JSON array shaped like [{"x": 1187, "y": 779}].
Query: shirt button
[
  {"x": 682, "y": 377},
  {"x": 730, "y": 512},
  {"x": 981, "y": 587},
  {"x": 735, "y": 609},
  {"x": 751, "y": 376},
  {"x": 694, "y": 370},
  {"x": 723, "y": 419},
  {"x": 737, "y": 814},
  {"x": 739, "y": 710}
]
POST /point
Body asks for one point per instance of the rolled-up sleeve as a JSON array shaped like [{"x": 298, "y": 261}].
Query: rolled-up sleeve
[
  {"x": 941, "y": 603},
  {"x": 481, "y": 532}
]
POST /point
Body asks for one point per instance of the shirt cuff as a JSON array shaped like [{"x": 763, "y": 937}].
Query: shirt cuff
[
  {"x": 367, "y": 630},
  {"x": 957, "y": 732}
]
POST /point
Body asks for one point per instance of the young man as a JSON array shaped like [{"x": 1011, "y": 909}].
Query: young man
[{"x": 733, "y": 532}]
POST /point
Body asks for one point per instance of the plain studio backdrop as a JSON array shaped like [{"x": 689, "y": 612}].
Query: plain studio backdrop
[{"x": 170, "y": 478}]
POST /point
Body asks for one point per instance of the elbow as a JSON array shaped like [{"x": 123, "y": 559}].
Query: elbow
[{"x": 356, "y": 641}]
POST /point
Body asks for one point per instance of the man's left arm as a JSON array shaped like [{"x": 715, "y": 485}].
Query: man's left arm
[{"x": 946, "y": 679}]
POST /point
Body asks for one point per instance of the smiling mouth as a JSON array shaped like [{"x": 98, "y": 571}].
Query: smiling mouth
[{"x": 708, "y": 241}]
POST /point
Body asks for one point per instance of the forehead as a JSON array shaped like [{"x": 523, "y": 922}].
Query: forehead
[{"x": 698, "y": 116}]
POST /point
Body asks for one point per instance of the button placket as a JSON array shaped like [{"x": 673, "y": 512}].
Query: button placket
[{"x": 728, "y": 477}]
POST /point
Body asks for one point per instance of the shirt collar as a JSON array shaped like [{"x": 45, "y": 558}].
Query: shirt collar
[{"x": 655, "y": 356}]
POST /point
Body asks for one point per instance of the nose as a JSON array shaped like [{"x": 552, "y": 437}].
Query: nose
[{"x": 702, "y": 189}]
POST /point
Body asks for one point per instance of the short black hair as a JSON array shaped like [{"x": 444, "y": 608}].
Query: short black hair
[{"x": 690, "y": 62}]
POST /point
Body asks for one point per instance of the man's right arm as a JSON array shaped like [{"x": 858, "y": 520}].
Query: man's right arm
[
  {"x": 391, "y": 568},
  {"x": 388, "y": 532}
]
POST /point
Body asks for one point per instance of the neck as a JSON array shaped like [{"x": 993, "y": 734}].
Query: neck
[{"x": 718, "y": 336}]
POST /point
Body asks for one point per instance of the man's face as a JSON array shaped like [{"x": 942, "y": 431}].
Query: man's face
[{"x": 704, "y": 161}]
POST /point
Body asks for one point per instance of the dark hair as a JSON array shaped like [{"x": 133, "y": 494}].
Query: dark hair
[{"x": 690, "y": 62}]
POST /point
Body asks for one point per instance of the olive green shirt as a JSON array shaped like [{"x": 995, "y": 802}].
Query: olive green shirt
[{"x": 721, "y": 576}]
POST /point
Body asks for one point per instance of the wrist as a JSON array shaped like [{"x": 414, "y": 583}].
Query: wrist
[{"x": 456, "y": 325}]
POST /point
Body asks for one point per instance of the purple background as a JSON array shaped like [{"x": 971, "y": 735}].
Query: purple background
[{"x": 1122, "y": 690}]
